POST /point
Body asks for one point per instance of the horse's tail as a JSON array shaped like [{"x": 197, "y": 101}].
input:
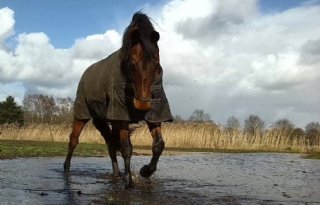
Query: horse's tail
[{"x": 133, "y": 128}]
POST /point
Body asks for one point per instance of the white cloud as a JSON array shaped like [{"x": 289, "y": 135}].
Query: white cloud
[
  {"x": 7, "y": 22},
  {"x": 96, "y": 46},
  {"x": 221, "y": 56},
  {"x": 42, "y": 68},
  {"x": 242, "y": 62}
]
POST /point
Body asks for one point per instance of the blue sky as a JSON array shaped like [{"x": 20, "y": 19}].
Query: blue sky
[
  {"x": 279, "y": 5},
  {"x": 226, "y": 57},
  {"x": 66, "y": 20}
]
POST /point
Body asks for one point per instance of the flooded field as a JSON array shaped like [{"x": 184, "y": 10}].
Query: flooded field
[{"x": 215, "y": 178}]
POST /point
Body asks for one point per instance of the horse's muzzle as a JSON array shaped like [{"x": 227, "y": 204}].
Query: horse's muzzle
[{"x": 142, "y": 105}]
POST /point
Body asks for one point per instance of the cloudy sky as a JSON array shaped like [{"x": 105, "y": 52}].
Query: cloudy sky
[{"x": 228, "y": 58}]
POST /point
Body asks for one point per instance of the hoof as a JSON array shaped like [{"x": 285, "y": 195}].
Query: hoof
[
  {"x": 66, "y": 167},
  {"x": 128, "y": 181},
  {"x": 146, "y": 171},
  {"x": 117, "y": 175}
]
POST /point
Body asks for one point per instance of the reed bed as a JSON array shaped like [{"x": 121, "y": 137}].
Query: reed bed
[
  {"x": 176, "y": 135},
  {"x": 49, "y": 132},
  {"x": 211, "y": 136}
]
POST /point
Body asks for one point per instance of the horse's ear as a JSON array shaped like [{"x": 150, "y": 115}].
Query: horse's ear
[
  {"x": 135, "y": 36},
  {"x": 154, "y": 37}
]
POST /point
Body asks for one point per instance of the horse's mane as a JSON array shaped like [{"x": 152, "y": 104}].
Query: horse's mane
[{"x": 141, "y": 22}]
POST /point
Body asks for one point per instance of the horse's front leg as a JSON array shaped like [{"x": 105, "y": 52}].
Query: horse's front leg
[
  {"x": 157, "y": 148},
  {"x": 126, "y": 152}
]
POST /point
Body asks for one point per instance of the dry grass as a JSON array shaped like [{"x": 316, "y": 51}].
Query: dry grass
[
  {"x": 176, "y": 135},
  {"x": 211, "y": 136},
  {"x": 48, "y": 132}
]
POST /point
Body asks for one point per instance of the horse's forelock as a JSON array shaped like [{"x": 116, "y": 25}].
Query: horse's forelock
[{"x": 141, "y": 22}]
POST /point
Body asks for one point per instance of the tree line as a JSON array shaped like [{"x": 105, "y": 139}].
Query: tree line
[
  {"x": 35, "y": 109},
  {"x": 38, "y": 108},
  {"x": 254, "y": 125}
]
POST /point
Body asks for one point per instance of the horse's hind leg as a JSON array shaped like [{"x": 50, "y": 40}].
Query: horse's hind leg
[
  {"x": 113, "y": 147},
  {"x": 157, "y": 148},
  {"x": 78, "y": 125},
  {"x": 111, "y": 141}
]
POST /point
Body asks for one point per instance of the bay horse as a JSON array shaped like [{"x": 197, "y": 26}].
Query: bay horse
[{"x": 126, "y": 87}]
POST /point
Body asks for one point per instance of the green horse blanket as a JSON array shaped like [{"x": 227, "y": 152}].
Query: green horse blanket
[{"x": 105, "y": 92}]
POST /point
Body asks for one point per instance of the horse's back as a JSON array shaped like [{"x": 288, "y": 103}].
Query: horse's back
[{"x": 92, "y": 93}]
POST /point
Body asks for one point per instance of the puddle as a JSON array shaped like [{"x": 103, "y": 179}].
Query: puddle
[{"x": 215, "y": 178}]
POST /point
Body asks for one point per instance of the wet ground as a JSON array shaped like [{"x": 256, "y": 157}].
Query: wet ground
[{"x": 217, "y": 178}]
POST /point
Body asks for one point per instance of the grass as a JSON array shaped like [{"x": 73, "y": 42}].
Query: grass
[
  {"x": 20, "y": 148},
  {"x": 178, "y": 137},
  {"x": 13, "y": 148},
  {"x": 313, "y": 155},
  {"x": 209, "y": 136}
]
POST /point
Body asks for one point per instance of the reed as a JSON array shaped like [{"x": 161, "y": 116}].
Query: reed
[
  {"x": 211, "y": 136},
  {"x": 176, "y": 135},
  {"x": 49, "y": 132}
]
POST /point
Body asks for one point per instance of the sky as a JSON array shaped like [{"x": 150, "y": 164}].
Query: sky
[{"x": 228, "y": 58}]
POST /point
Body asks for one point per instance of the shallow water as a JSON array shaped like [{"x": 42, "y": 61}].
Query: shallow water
[{"x": 215, "y": 178}]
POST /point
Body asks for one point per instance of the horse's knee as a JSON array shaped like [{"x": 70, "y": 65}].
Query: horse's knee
[
  {"x": 74, "y": 140},
  {"x": 158, "y": 146},
  {"x": 78, "y": 125},
  {"x": 126, "y": 149}
]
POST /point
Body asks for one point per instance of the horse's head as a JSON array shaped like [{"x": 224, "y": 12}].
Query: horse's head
[
  {"x": 141, "y": 53},
  {"x": 144, "y": 67}
]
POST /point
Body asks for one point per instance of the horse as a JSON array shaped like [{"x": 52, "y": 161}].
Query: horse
[{"x": 124, "y": 88}]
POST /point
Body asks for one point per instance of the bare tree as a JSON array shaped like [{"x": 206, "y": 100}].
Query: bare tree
[
  {"x": 283, "y": 124},
  {"x": 200, "y": 116},
  {"x": 298, "y": 133},
  {"x": 64, "y": 110},
  {"x": 232, "y": 124},
  {"x": 285, "y": 128},
  {"x": 313, "y": 133},
  {"x": 178, "y": 118},
  {"x": 47, "y": 109},
  {"x": 28, "y": 105},
  {"x": 253, "y": 125}
]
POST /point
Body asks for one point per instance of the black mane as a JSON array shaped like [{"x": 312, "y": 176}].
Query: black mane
[{"x": 141, "y": 22}]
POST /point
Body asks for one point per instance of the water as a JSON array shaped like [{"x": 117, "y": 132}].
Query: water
[{"x": 215, "y": 178}]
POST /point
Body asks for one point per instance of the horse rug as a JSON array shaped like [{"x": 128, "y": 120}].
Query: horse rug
[{"x": 104, "y": 92}]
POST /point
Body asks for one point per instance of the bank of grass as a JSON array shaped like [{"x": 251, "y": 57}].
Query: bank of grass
[
  {"x": 10, "y": 149},
  {"x": 178, "y": 136},
  {"x": 21, "y": 148},
  {"x": 313, "y": 155}
]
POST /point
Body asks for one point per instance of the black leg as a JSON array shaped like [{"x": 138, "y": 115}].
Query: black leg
[
  {"x": 157, "y": 148},
  {"x": 114, "y": 146},
  {"x": 110, "y": 139},
  {"x": 126, "y": 150}
]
